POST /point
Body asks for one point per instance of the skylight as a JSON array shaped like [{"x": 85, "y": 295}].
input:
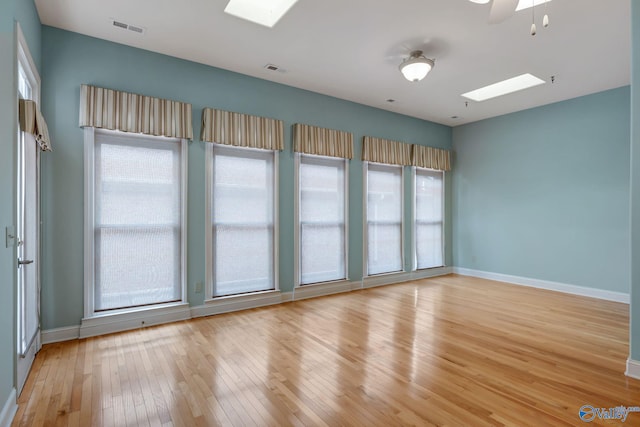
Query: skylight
[
  {"x": 526, "y": 4},
  {"x": 263, "y": 12},
  {"x": 504, "y": 87}
]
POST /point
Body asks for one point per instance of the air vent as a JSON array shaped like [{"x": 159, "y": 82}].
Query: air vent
[
  {"x": 272, "y": 67},
  {"x": 125, "y": 26}
]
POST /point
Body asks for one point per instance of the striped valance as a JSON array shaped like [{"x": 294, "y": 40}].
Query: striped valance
[
  {"x": 322, "y": 141},
  {"x": 386, "y": 151},
  {"x": 242, "y": 130},
  {"x": 432, "y": 158},
  {"x": 128, "y": 112},
  {"x": 31, "y": 121}
]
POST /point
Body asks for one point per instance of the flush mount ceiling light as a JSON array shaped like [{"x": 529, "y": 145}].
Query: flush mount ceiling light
[
  {"x": 416, "y": 67},
  {"x": 263, "y": 12},
  {"x": 504, "y": 87}
]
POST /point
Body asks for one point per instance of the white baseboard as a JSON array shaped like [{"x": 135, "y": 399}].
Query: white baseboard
[
  {"x": 322, "y": 289},
  {"x": 117, "y": 322},
  {"x": 545, "y": 284},
  {"x": 633, "y": 369},
  {"x": 9, "y": 409},
  {"x": 236, "y": 303},
  {"x": 60, "y": 334},
  {"x": 392, "y": 278},
  {"x": 385, "y": 279}
]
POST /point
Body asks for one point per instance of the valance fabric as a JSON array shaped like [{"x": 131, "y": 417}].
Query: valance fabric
[
  {"x": 322, "y": 141},
  {"x": 386, "y": 151},
  {"x": 241, "y": 130},
  {"x": 129, "y": 112},
  {"x": 31, "y": 121},
  {"x": 432, "y": 158}
]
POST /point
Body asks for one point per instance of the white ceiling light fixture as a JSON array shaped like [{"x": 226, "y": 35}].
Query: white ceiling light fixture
[
  {"x": 263, "y": 12},
  {"x": 526, "y": 4},
  {"x": 515, "y": 84},
  {"x": 416, "y": 67}
]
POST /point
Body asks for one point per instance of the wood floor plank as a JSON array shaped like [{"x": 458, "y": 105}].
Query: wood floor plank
[{"x": 447, "y": 351}]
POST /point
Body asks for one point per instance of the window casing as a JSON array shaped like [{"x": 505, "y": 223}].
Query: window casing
[
  {"x": 428, "y": 227},
  {"x": 321, "y": 219},
  {"x": 241, "y": 219},
  {"x": 384, "y": 218},
  {"x": 135, "y": 234}
]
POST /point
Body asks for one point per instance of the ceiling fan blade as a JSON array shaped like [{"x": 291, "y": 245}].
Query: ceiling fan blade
[{"x": 501, "y": 10}]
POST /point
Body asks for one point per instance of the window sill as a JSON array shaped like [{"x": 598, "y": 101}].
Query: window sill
[
  {"x": 313, "y": 290},
  {"x": 226, "y": 304},
  {"x": 122, "y": 320}
]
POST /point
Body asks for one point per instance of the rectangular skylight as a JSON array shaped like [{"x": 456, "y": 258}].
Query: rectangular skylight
[
  {"x": 504, "y": 87},
  {"x": 263, "y": 12},
  {"x": 526, "y": 4}
]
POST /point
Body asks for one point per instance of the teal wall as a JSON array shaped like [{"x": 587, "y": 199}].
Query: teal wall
[
  {"x": 70, "y": 59},
  {"x": 22, "y": 11},
  {"x": 544, "y": 193},
  {"x": 634, "y": 339}
]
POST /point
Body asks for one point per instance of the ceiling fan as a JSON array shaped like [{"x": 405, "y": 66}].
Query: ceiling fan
[{"x": 503, "y": 9}]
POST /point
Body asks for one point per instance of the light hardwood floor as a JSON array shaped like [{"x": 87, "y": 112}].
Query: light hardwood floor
[{"x": 453, "y": 351}]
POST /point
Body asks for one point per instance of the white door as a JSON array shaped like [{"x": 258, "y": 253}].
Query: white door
[{"x": 28, "y": 294}]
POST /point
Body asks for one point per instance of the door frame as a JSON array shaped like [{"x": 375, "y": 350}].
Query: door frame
[{"x": 25, "y": 62}]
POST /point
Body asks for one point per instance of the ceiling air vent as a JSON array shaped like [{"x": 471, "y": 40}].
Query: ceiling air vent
[
  {"x": 125, "y": 26},
  {"x": 272, "y": 67}
]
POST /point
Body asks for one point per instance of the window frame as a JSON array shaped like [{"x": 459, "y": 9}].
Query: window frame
[
  {"x": 89, "y": 224},
  {"x": 365, "y": 222},
  {"x": 297, "y": 232},
  {"x": 209, "y": 247},
  {"x": 414, "y": 173}
]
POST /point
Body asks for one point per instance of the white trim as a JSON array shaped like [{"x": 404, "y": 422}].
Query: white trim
[
  {"x": 633, "y": 369},
  {"x": 89, "y": 215},
  {"x": 9, "y": 409},
  {"x": 276, "y": 220},
  {"x": 230, "y": 303},
  {"x": 322, "y": 289},
  {"x": 208, "y": 221},
  {"x": 24, "y": 57},
  {"x": 117, "y": 322},
  {"x": 296, "y": 229},
  {"x": 385, "y": 279},
  {"x": 184, "y": 180},
  {"x": 545, "y": 284},
  {"x": 60, "y": 334}
]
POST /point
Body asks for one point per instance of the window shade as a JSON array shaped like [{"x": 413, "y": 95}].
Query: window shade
[
  {"x": 384, "y": 219},
  {"x": 128, "y": 112},
  {"x": 138, "y": 218},
  {"x": 322, "y": 141},
  {"x": 243, "y": 203},
  {"x": 386, "y": 151},
  {"x": 322, "y": 219},
  {"x": 431, "y": 158},
  {"x": 31, "y": 121},
  {"x": 429, "y": 222},
  {"x": 242, "y": 130}
]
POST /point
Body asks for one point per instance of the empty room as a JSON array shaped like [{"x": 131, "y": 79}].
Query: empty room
[{"x": 319, "y": 213}]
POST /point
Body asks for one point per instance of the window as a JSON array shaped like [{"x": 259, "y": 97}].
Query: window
[
  {"x": 384, "y": 218},
  {"x": 321, "y": 219},
  {"x": 242, "y": 206},
  {"x": 428, "y": 227},
  {"x": 136, "y": 220}
]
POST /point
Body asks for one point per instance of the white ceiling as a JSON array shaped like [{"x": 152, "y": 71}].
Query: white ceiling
[{"x": 351, "y": 49}]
